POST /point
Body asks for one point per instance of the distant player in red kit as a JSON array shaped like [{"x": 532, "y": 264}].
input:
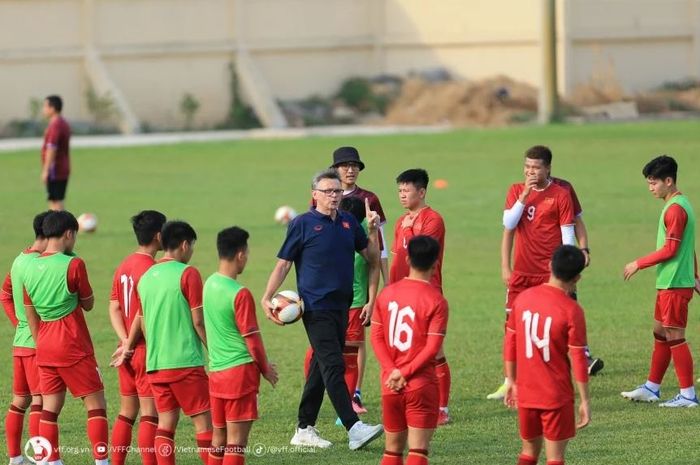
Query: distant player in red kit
[
  {"x": 546, "y": 334},
  {"x": 420, "y": 219},
  {"x": 55, "y": 153},
  {"x": 408, "y": 328},
  {"x": 124, "y": 309},
  {"x": 540, "y": 214}
]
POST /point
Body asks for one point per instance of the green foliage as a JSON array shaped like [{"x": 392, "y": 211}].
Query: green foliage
[
  {"x": 101, "y": 107},
  {"x": 189, "y": 105},
  {"x": 357, "y": 93},
  {"x": 240, "y": 115}
]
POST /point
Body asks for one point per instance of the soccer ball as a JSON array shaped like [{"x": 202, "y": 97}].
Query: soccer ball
[
  {"x": 288, "y": 307},
  {"x": 87, "y": 222},
  {"x": 285, "y": 214}
]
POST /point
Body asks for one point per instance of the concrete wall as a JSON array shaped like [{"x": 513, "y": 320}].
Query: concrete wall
[{"x": 155, "y": 51}]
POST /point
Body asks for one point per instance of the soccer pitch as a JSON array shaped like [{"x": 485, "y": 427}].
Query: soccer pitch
[{"x": 214, "y": 185}]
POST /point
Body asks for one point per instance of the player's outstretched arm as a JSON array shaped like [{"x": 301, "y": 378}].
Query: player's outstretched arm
[{"x": 277, "y": 277}]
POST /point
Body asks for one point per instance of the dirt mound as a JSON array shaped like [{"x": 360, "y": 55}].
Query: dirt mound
[{"x": 490, "y": 102}]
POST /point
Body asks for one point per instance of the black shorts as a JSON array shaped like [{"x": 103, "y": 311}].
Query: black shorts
[{"x": 56, "y": 189}]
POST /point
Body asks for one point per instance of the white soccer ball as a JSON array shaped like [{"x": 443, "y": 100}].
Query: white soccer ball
[
  {"x": 285, "y": 214},
  {"x": 288, "y": 306},
  {"x": 87, "y": 222}
]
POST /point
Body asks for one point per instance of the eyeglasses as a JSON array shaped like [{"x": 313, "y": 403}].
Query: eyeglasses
[
  {"x": 349, "y": 165},
  {"x": 330, "y": 192}
]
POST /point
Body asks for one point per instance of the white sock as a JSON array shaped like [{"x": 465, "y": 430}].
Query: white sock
[
  {"x": 688, "y": 393},
  {"x": 101, "y": 462},
  {"x": 56, "y": 462},
  {"x": 19, "y": 460},
  {"x": 444, "y": 409},
  {"x": 652, "y": 386}
]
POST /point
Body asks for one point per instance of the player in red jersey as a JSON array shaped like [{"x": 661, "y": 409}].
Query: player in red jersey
[
  {"x": 56, "y": 291},
  {"x": 408, "y": 329},
  {"x": 25, "y": 380},
  {"x": 538, "y": 217},
  {"x": 124, "y": 308},
  {"x": 420, "y": 219},
  {"x": 546, "y": 334},
  {"x": 55, "y": 153}
]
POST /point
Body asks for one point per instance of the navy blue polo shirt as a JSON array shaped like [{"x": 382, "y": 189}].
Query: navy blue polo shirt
[{"x": 323, "y": 252}]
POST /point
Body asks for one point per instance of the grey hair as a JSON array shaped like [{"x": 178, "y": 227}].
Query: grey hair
[{"x": 329, "y": 173}]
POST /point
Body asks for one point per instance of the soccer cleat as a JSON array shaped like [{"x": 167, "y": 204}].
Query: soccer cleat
[
  {"x": 595, "y": 365},
  {"x": 642, "y": 394},
  {"x": 680, "y": 402},
  {"x": 443, "y": 418},
  {"x": 362, "y": 434},
  {"x": 499, "y": 393},
  {"x": 357, "y": 404},
  {"x": 309, "y": 437}
]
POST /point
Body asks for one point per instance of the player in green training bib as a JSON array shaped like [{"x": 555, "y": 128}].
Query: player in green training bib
[
  {"x": 236, "y": 352},
  {"x": 676, "y": 278},
  {"x": 25, "y": 381}
]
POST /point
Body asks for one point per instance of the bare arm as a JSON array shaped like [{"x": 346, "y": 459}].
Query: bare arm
[
  {"x": 384, "y": 267},
  {"x": 506, "y": 250},
  {"x": 48, "y": 162},
  {"x": 115, "y": 317},
  {"x": 584, "y": 408},
  {"x": 277, "y": 277},
  {"x": 198, "y": 323},
  {"x": 33, "y": 320},
  {"x": 582, "y": 237}
]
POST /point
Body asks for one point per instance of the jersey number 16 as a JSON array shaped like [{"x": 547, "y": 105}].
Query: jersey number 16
[{"x": 400, "y": 332}]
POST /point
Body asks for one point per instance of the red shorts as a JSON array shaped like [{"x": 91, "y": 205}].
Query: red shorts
[
  {"x": 25, "y": 379},
  {"x": 234, "y": 410},
  {"x": 132, "y": 375},
  {"x": 415, "y": 409},
  {"x": 356, "y": 330},
  {"x": 672, "y": 307},
  {"x": 81, "y": 379},
  {"x": 555, "y": 425},
  {"x": 188, "y": 390},
  {"x": 520, "y": 282}
]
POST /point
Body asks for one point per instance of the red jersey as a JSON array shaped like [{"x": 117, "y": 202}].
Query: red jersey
[
  {"x": 409, "y": 323},
  {"x": 544, "y": 325},
  {"x": 538, "y": 233},
  {"x": 574, "y": 198},
  {"x": 64, "y": 342},
  {"x": 125, "y": 285},
  {"x": 57, "y": 137},
  {"x": 428, "y": 222}
]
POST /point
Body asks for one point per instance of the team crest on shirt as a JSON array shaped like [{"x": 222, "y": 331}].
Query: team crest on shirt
[
  {"x": 318, "y": 228},
  {"x": 549, "y": 200},
  {"x": 346, "y": 225}
]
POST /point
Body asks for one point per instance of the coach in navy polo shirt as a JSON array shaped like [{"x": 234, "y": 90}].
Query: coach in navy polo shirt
[{"x": 321, "y": 244}]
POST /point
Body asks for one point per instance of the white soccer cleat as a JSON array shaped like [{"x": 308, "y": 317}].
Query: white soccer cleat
[
  {"x": 642, "y": 394},
  {"x": 309, "y": 437},
  {"x": 680, "y": 402},
  {"x": 362, "y": 434}
]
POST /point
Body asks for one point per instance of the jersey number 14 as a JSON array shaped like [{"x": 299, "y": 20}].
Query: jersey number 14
[
  {"x": 400, "y": 331},
  {"x": 532, "y": 323}
]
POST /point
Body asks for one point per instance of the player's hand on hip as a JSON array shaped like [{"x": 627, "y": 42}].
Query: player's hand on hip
[
  {"x": 506, "y": 273},
  {"x": 584, "y": 415},
  {"x": 630, "y": 269},
  {"x": 268, "y": 308},
  {"x": 271, "y": 374}
]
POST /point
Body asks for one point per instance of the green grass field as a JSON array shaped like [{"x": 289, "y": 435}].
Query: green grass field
[{"x": 214, "y": 185}]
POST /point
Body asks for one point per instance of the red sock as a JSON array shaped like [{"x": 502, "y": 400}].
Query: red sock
[
  {"x": 307, "y": 361},
  {"x": 351, "y": 371},
  {"x": 14, "y": 422},
  {"x": 660, "y": 359},
  {"x": 203, "y": 445},
  {"x": 98, "y": 433},
  {"x": 235, "y": 455},
  {"x": 442, "y": 370},
  {"x": 48, "y": 428},
  {"x": 392, "y": 458},
  {"x": 555, "y": 462},
  {"x": 216, "y": 456},
  {"x": 417, "y": 457},
  {"x": 682, "y": 361},
  {"x": 121, "y": 439},
  {"x": 146, "y": 438},
  {"x": 164, "y": 444},
  {"x": 34, "y": 419},
  {"x": 526, "y": 460}
]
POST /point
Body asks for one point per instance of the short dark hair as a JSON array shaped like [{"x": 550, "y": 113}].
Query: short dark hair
[
  {"x": 56, "y": 223},
  {"x": 423, "y": 252},
  {"x": 147, "y": 224},
  {"x": 540, "y": 152},
  {"x": 38, "y": 224},
  {"x": 416, "y": 176},
  {"x": 230, "y": 241},
  {"x": 355, "y": 206},
  {"x": 55, "y": 102},
  {"x": 661, "y": 167},
  {"x": 568, "y": 262},
  {"x": 175, "y": 233}
]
